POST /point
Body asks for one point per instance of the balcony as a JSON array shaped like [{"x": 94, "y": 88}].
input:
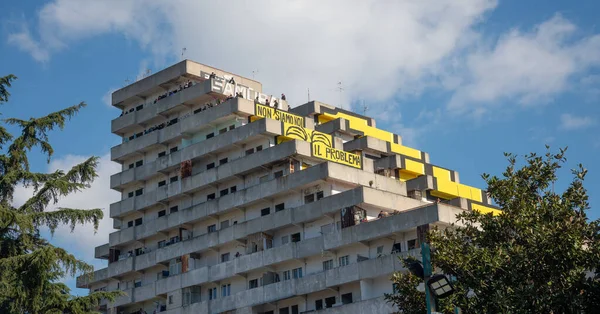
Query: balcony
[
  {"x": 381, "y": 266},
  {"x": 374, "y": 305},
  {"x": 190, "y": 124},
  {"x": 238, "y": 136},
  {"x": 102, "y": 251},
  {"x": 200, "y": 180}
]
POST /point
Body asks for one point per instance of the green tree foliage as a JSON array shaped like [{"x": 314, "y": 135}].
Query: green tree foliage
[
  {"x": 541, "y": 255},
  {"x": 30, "y": 267}
]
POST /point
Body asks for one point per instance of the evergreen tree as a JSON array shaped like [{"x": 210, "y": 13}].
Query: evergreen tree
[
  {"x": 541, "y": 255},
  {"x": 30, "y": 267}
]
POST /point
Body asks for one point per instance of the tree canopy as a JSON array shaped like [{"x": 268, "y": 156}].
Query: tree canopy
[
  {"x": 540, "y": 255},
  {"x": 31, "y": 268}
]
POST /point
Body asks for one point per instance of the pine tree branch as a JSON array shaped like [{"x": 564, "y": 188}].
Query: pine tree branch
[{"x": 5, "y": 82}]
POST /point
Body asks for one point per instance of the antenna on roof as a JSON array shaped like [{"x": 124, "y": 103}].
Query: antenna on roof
[
  {"x": 254, "y": 72},
  {"x": 365, "y": 108},
  {"x": 308, "y": 90},
  {"x": 182, "y": 52},
  {"x": 340, "y": 89},
  {"x": 127, "y": 81}
]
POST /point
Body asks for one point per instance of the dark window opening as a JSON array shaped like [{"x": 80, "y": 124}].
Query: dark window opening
[
  {"x": 131, "y": 166},
  {"x": 295, "y": 237},
  {"x": 319, "y": 305},
  {"x": 265, "y": 211},
  {"x": 139, "y": 163},
  {"x": 210, "y": 135},
  {"x": 396, "y": 248},
  {"x": 347, "y": 298},
  {"x": 138, "y": 221},
  {"x": 309, "y": 198},
  {"x": 233, "y": 189},
  {"x": 223, "y": 161},
  {"x": 210, "y": 196},
  {"x": 130, "y": 224},
  {"x": 211, "y": 228},
  {"x": 172, "y": 150},
  {"x": 319, "y": 195},
  {"x": 258, "y": 148},
  {"x": 329, "y": 302},
  {"x": 161, "y": 154},
  {"x": 278, "y": 174},
  {"x": 140, "y": 107},
  {"x": 250, "y": 151},
  {"x": 223, "y": 130},
  {"x": 210, "y": 166},
  {"x": 174, "y": 209},
  {"x": 412, "y": 244},
  {"x": 139, "y": 192},
  {"x": 231, "y": 127},
  {"x": 173, "y": 179},
  {"x": 162, "y": 213},
  {"x": 162, "y": 183},
  {"x": 130, "y": 194},
  {"x": 223, "y": 192},
  {"x": 279, "y": 207}
]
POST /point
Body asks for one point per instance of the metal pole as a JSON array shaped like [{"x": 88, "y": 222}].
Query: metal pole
[{"x": 427, "y": 271}]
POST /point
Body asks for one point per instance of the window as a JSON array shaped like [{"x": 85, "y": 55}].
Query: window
[
  {"x": 250, "y": 151},
  {"x": 174, "y": 209},
  {"x": 396, "y": 248},
  {"x": 233, "y": 189},
  {"x": 223, "y": 130},
  {"x": 226, "y": 290},
  {"x": 347, "y": 298},
  {"x": 224, "y": 224},
  {"x": 224, "y": 257},
  {"x": 412, "y": 244},
  {"x": 278, "y": 174},
  {"x": 212, "y": 293},
  {"x": 173, "y": 121},
  {"x": 210, "y": 135},
  {"x": 210, "y": 166},
  {"x": 161, "y": 154},
  {"x": 295, "y": 309},
  {"x": 253, "y": 284},
  {"x": 210, "y": 196},
  {"x": 173, "y": 179},
  {"x": 329, "y": 302},
  {"x": 172, "y": 150},
  {"x": 130, "y": 224},
  {"x": 319, "y": 195},
  {"x": 223, "y": 161},
  {"x": 263, "y": 179},
  {"x": 162, "y": 183},
  {"x": 140, "y": 107},
  {"x": 139, "y": 251},
  {"x": 327, "y": 265},
  {"x": 309, "y": 198},
  {"x": 138, "y": 221},
  {"x": 139, "y": 163},
  {"x": 224, "y": 192},
  {"x": 285, "y": 240},
  {"x": 139, "y": 134},
  {"x": 297, "y": 273},
  {"x": 162, "y": 213},
  {"x": 170, "y": 299},
  {"x": 265, "y": 211},
  {"x": 161, "y": 244},
  {"x": 379, "y": 250},
  {"x": 139, "y": 192},
  {"x": 344, "y": 260},
  {"x": 137, "y": 283},
  {"x": 258, "y": 148},
  {"x": 131, "y": 166},
  {"x": 231, "y": 127},
  {"x": 132, "y": 137},
  {"x": 319, "y": 305},
  {"x": 295, "y": 237},
  {"x": 130, "y": 194},
  {"x": 197, "y": 110},
  {"x": 284, "y": 310},
  {"x": 279, "y": 207},
  {"x": 286, "y": 275},
  {"x": 211, "y": 228}
]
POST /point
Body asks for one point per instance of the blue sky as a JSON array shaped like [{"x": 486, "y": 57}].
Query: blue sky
[{"x": 462, "y": 80}]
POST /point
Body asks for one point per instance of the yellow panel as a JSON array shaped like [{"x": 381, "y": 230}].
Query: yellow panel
[
  {"x": 307, "y": 135},
  {"x": 485, "y": 209},
  {"x": 279, "y": 115},
  {"x": 464, "y": 191},
  {"x": 414, "y": 166},
  {"x": 447, "y": 187},
  {"x": 324, "y": 118},
  {"x": 254, "y": 118},
  {"x": 442, "y": 195},
  {"x": 441, "y": 174},
  {"x": 476, "y": 194},
  {"x": 406, "y": 151},
  {"x": 405, "y": 175}
]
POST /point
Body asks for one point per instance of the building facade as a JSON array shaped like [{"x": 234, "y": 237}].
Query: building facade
[{"x": 232, "y": 202}]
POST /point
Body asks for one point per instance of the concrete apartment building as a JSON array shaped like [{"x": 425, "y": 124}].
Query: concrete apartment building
[{"x": 233, "y": 205}]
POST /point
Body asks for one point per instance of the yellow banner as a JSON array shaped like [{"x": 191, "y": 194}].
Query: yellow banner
[
  {"x": 307, "y": 135},
  {"x": 319, "y": 150},
  {"x": 283, "y": 116}
]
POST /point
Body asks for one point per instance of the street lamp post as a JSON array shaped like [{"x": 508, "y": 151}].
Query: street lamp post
[{"x": 427, "y": 271}]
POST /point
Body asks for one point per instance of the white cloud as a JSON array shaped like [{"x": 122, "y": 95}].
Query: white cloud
[
  {"x": 82, "y": 240},
  {"x": 573, "y": 122},
  {"x": 23, "y": 40},
  {"x": 526, "y": 67}
]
